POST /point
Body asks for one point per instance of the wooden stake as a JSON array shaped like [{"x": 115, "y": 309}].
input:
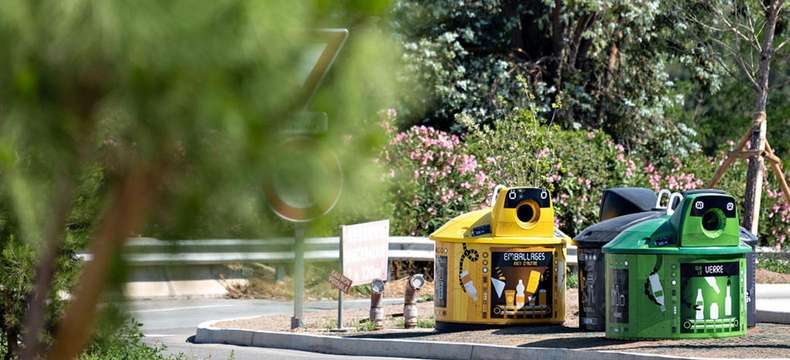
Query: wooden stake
[
  {"x": 754, "y": 175},
  {"x": 776, "y": 166}
]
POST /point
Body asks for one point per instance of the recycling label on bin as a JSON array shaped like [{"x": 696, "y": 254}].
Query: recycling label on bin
[
  {"x": 521, "y": 283},
  {"x": 618, "y": 296},
  {"x": 440, "y": 282},
  {"x": 710, "y": 300},
  {"x": 591, "y": 281}
]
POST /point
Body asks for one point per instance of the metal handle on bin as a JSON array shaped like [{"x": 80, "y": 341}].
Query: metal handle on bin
[
  {"x": 670, "y": 209},
  {"x": 658, "y": 200},
  {"x": 496, "y": 192}
]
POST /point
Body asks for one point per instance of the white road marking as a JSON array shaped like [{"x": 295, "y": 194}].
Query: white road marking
[{"x": 179, "y": 308}]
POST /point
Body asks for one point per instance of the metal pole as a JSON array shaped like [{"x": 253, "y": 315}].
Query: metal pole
[
  {"x": 339, "y": 309},
  {"x": 339, "y": 324},
  {"x": 298, "y": 278}
]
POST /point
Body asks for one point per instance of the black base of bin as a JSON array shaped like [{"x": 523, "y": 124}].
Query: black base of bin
[{"x": 442, "y": 326}]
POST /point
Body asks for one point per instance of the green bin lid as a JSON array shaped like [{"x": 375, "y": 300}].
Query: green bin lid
[{"x": 704, "y": 223}]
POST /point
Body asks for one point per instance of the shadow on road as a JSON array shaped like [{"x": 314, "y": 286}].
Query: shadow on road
[
  {"x": 578, "y": 342},
  {"x": 395, "y": 335}
]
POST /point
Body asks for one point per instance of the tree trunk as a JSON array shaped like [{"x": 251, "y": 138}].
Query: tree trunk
[
  {"x": 611, "y": 65},
  {"x": 130, "y": 201},
  {"x": 45, "y": 269},
  {"x": 755, "y": 174},
  {"x": 557, "y": 45},
  {"x": 511, "y": 11}
]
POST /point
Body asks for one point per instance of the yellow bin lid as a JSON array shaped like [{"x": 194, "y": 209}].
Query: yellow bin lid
[{"x": 520, "y": 215}]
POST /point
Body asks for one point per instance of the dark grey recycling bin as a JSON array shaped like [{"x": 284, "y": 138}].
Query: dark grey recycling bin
[
  {"x": 751, "y": 263},
  {"x": 592, "y": 296},
  {"x": 620, "y": 209}
]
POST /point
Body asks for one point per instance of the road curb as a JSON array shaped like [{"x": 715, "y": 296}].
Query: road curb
[
  {"x": 776, "y": 317},
  {"x": 208, "y": 334}
]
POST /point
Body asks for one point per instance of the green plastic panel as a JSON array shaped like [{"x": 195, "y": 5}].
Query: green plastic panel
[{"x": 675, "y": 297}]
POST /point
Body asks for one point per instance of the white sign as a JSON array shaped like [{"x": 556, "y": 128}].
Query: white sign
[{"x": 364, "y": 251}]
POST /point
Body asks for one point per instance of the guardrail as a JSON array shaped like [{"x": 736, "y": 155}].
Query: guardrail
[{"x": 153, "y": 252}]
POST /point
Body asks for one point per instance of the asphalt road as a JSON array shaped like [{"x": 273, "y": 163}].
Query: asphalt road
[{"x": 172, "y": 322}]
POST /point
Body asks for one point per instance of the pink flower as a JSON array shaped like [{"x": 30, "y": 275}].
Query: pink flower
[{"x": 468, "y": 164}]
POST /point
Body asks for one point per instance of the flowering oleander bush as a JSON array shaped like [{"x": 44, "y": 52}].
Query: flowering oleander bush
[
  {"x": 433, "y": 178},
  {"x": 777, "y": 218}
]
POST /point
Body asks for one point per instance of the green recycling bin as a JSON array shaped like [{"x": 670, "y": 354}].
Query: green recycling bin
[{"x": 680, "y": 275}]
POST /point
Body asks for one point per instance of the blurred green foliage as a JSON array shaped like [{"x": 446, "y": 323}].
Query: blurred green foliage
[{"x": 200, "y": 92}]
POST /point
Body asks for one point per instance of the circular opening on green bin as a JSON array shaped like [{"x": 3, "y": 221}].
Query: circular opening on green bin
[
  {"x": 527, "y": 213},
  {"x": 713, "y": 222}
]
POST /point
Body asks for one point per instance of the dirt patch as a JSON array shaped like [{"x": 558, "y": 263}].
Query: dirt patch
[
  {"x": 262, "y": 284},
  {"x": 763, "y": 341},
  {"x": 324, "y": 320},
  {"x": 763, "y": 276}
]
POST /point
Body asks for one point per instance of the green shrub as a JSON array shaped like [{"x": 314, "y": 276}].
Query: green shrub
[
  {"x": 426, "y": 323},
  {"x": 775, "y": 265},
  {"x": 118, "y": 337},
  {"x": 366, "y": 325},
  {"x": 481, "y": 60},
  {"x": 573, "y": 281},
  {"x": 574, "y": 165}
]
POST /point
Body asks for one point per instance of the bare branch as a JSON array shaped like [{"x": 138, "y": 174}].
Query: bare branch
[
  {"x": 779, "y": 47},
  {"x": 751, "y": 27},
  {"x": 734, "y": 29},
  {"x": 699, "y": 22},
  {"x": 725, "y": 66},
  {"x": 745, "y": 69}
]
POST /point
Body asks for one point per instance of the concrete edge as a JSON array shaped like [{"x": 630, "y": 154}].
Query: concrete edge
[
  {"x": 776, "y": 317},
  {"x": 327, "y": 344}
]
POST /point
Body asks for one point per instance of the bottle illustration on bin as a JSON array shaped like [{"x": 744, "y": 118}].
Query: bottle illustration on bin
[
  {"x": 680, "y": 274},
  {"x": 502, "y": 265}
]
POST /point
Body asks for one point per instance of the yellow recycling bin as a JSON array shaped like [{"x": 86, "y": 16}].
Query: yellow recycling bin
[{"x": 503, "y": 265}]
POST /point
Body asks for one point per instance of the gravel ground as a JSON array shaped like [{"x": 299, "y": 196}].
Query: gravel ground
[
  {"x": 769, "y": 277},
  {"x": 763, "y": 341}
]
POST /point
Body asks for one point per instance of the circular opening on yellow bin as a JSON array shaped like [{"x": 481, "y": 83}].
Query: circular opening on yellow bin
[
  {"x": 713, "y": 222},
  {"x": 527, "y": 213}
]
